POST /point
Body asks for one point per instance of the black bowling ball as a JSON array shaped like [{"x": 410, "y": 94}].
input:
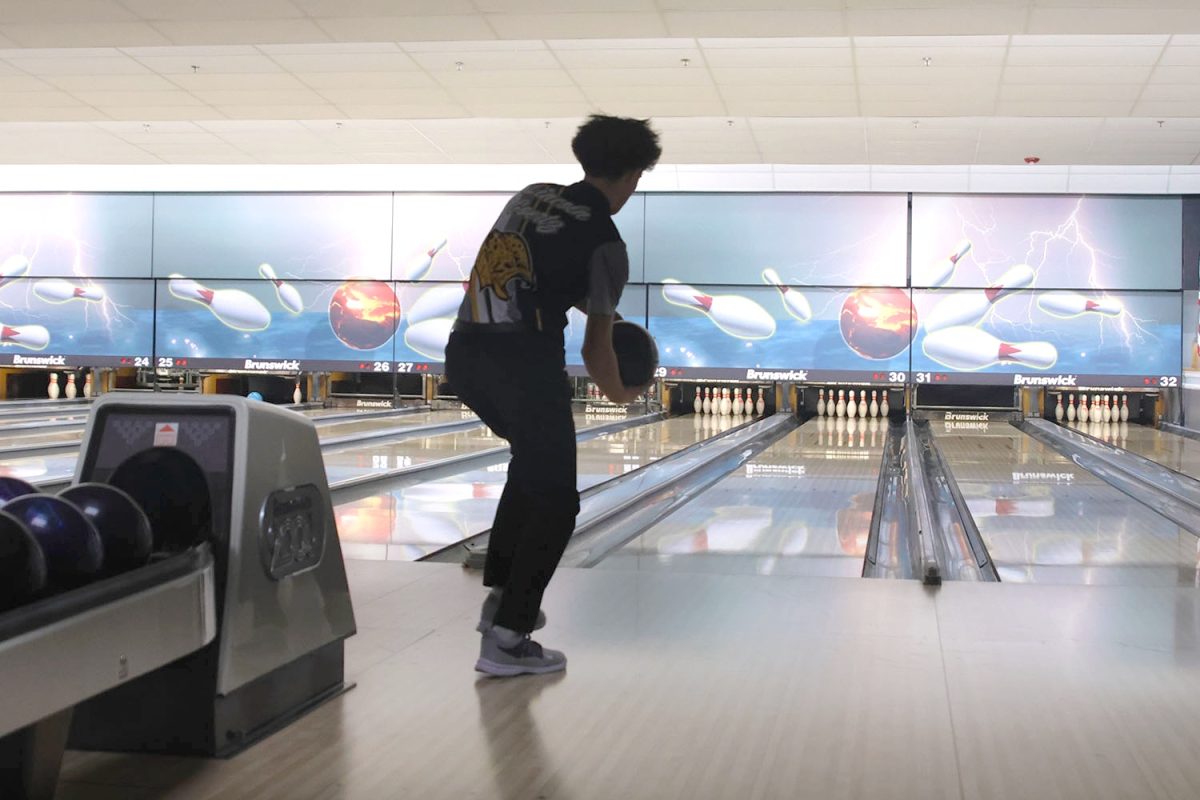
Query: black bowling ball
[
  {"x": 70, "y": 542},
  {"x": 11, "y": 488},
  {"x": 22, "y": 565},
  {"x": 637, "y": 353},
  {"x": 172, "y": 490},
  {"x": 123, "y": 526}
]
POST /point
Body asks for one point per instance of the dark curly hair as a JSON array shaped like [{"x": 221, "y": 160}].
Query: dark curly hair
[{"x": 609, "y": 147}]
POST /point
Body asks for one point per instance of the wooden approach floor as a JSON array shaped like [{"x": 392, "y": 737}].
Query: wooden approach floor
[{"x": 711, "y": 686}]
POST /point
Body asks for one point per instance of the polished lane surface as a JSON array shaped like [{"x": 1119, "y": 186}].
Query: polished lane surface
[
  {"x": 1169, "y": 449},
  {"x": 1046, "y": 520},
  {"x": 410, "y": 522},
  {"x": 801, "y": 507},
  {"x": 60, "y": 467}
]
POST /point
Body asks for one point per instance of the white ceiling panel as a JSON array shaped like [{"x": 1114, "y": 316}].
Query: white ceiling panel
[
  {"x": 751, "y": 23},
  {"x": 365, "y": 80},
  {"x": 520, "y": 79},
  {"x": 70, "y": 62},
  {"x": 158, "y": 113},
  {"x": 1117, "y": 21},
  {"x": 791, "y": 108},
  {"x": 750, "y": 78},
  {"x": 112, "y": 83},
  {"x": 241, "y": 31},
  {"x": 203, "y": 81},
  {"x": 777, "y": 57},
  {"x": 573, "y": 25},
  {"x": 345, "y": 62},
  {"x": 949, "y": 20},
  {"x": 84, "y": 34},
  {"x": 220, "y": 64},
  {"x": 383, "y": 8}
]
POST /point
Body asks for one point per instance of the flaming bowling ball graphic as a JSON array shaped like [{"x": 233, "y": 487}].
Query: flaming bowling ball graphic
[
  {"x": 364, "y": 315},
  {"x": 878, "y": 323}
]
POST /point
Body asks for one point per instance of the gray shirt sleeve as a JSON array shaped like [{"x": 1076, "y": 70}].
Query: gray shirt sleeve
[{"x": 608, "y": 271}]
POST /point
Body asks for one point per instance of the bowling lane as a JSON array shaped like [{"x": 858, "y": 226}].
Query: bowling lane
[
  {"x": 412, "y": 521},
  {"x": 802, "y": 507},
  {"x": 333, "y": 428},
  {"x": 1169, "y": 449},
  {"x": 357, "y": 460},
  {"x": 1046, "y": 520}
]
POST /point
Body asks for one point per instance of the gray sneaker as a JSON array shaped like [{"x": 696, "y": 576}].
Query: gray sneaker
[
  {"x": 526, "y": 657},
  {"x": 487, "y": 615}
]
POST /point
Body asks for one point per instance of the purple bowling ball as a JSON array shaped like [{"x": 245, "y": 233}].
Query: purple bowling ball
[
  {"x": 11, "y": 488},
  {"x": 123, "y": 526},
  {"x": 70, "y": 542},
  {"x": 22, "y": 565}
]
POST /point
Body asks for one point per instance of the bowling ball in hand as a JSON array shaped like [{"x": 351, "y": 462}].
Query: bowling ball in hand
[
  {"x": 11, "y": 488},
  {"x": 70, "y": 542},
  {"x": 637, "y": 354},
  {"x": 123, "y": 526},
  {"x": 22, "y": 565}
]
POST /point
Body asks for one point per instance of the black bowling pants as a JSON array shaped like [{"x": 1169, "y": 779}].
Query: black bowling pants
[{"x": 516, "y": 382}]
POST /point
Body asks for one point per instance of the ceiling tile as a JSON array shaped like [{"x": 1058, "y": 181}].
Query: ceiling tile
[
  {"x": 750, "y": 23},
  {"x": 777, "y": 57},
  {"x": 662, "y": 78},
  {"x": 405, "y": 29},
  {"x": 198, "y": 63},
  {"x": 1049, "y": 75},
  {"x": 74, "y": 11},
  {"x": 448, "y": 59},
  {"x": 84, "y": 34},
  {"x": 117, "y": 83},
  {"x": 365, "y": 80},
  {"x": 109, "y": 99},
  {"x": 243, "y": 31},
  {"x": 748, "y": 78},
  {"x": 569, "y": 25},
  {"x": 384, "y": 8}
]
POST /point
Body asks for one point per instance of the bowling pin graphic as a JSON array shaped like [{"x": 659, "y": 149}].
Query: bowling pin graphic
[
  {"x": 57, "y": 290},
  {"x": 969, "y": 306},
  {"x": 440, "y": 301},
  {"x": 71, "y": 392},
  {"x": 1072, "y": 304},
  {"x": 31, "y": 337},
  {"x": 419, "y": 267},
  {"x": 796, "y": 303},
  {"x": 13, "y": 268},
  {"x": 738, "y": 316},
  {"x": 429, "y": 337},
  {"x": 820, "y": 402},
  {"x": 234, "y": 308},
  {"x": 966, "y": 348},
  {"x": 940, "y": 271},
  {"x": 289, "y": 296},
  {"x": 52, "y": 389}
]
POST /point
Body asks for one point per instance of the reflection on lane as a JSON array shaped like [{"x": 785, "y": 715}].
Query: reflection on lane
[
  {"x": 1169, "y": 449},
  {"x": 1044, "y": 519},
  {"x": 802, "y": 507},
  {"x": 413, "y": 521}
]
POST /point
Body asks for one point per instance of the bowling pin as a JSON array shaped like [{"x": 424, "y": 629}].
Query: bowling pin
[
  {"x": 52, "y": 389},
  {"x": 851, "y": 406},
  {"x": 440, "y": 301},
  {"x": 1058, "y": 410},
  {"x": 1108, "y": 408},
  {"x": 840, "y": 408},
  {"x": 969, "y": 306},
  {"x": 796, "y": 303},
  {"x": 698, "y": 402},
  {"x": 57, "y": 290},
  {"x": 13, "y": 268},
  {"x": 883, "y": 406},
  {"x": 33, "y": 337},
  {"x": 71, "y": 390},
  {"x": 874, "y": 407},
  {"x": 419, "y": 267},
  {"x": 1124, "y": 408},
  {"x": 1072, "y": 304},
  {"x": 737, "y": 316},
  {"x": 1071, "y": 408},
  {"x": 937, "y": 273},
  {"x": 965, "y": 348},
  {"x": 862, "y": 404},
  {"x": 429, "y": 337},
  {"x": 760, "y": 405},
  {"x": 234, "y": 308},
  {"x": 820, "y": 401},
  {"x": 738, "y": 405},
  {"x": 707, "y": 405},
  {"x": 289, "y": 296},
  {"x": 87, "y": 385},
  {"x": 296, "y": 393},
  {"x": 726, "y": 403},
  {"x": 1083, "y": 409},
  {"x": 1097, "y": 409}
]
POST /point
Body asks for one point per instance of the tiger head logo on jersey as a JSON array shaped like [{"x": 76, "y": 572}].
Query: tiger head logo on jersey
[{"x": 503, "y": 258}]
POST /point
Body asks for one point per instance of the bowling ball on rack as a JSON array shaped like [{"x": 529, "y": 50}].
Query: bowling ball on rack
[
  {"x": 70, "y": 542},
  {"x": 11, "y": 488},
  {"x": 22, "y": 564},
  {"x": 254, "y": 396},
  {"x": 637, "y": 353},
  {"x": 123, "y": 526},
  {"x": 170, "y": 487}
]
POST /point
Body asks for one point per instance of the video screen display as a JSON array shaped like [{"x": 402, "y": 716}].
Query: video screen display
[
  {"x": 75, "y": 236},
  {"x": 57, "y": 322},
  {"x": 1057, "y": 242},
  {"x": 299, "y": 326},
  {"x": 795, "y": 239},
  {"x": 293, "y": 237},
  {"x": 1047, "y": 338},
  {"x": 782, "y": 333}
]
